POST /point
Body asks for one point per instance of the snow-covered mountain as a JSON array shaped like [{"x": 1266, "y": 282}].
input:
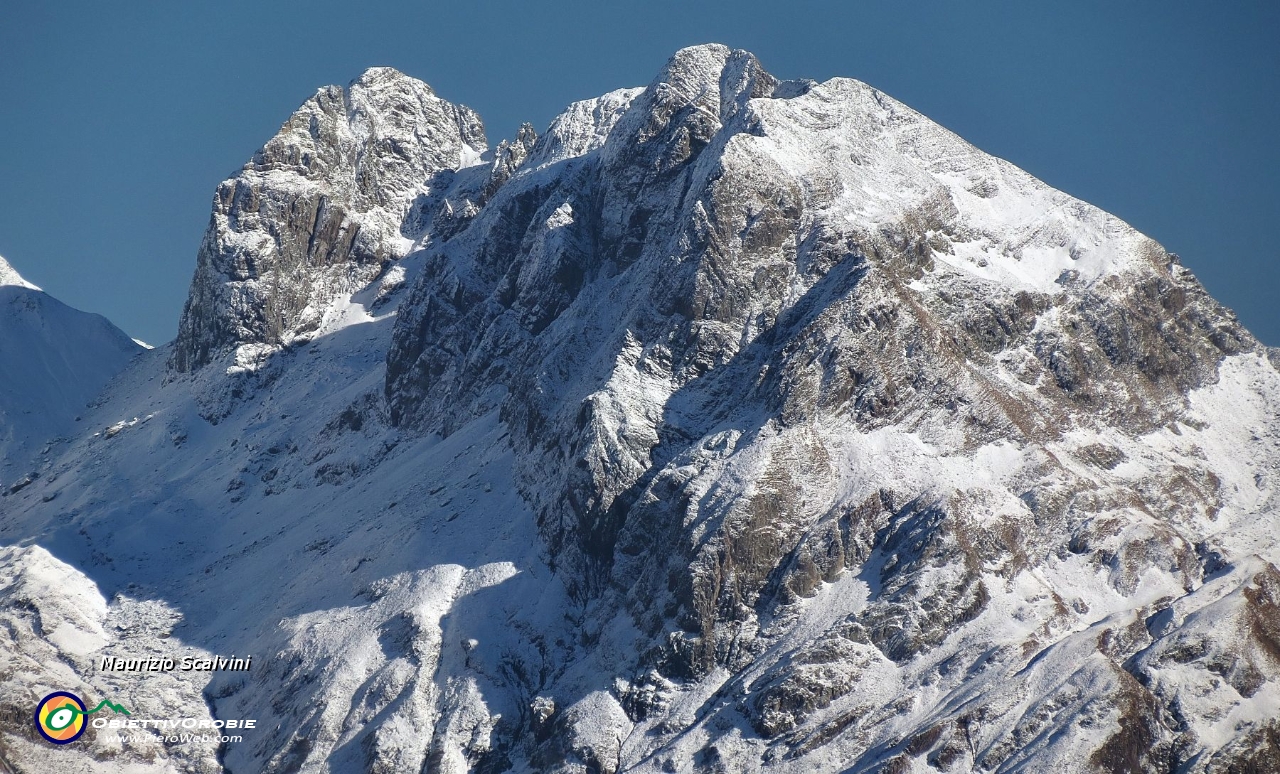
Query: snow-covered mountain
[
  {"x": 732, "y": 424},
  {"x": 53, "y": 361}
]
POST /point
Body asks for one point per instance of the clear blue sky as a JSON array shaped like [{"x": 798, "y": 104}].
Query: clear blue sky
[{"x": 118, "y": 119}]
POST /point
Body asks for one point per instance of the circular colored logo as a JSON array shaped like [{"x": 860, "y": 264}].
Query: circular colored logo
[{"x": 60, "y": 717}]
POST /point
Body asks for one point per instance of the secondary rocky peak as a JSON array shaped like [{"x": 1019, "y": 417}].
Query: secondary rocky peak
[
  {"x": 318, "y": 211},
  {"x": 398, "y": 117},
  {"x": 508, "y": 157},
  {"x": 582, "y": 127},
  {"x": 696, "y": 92}
]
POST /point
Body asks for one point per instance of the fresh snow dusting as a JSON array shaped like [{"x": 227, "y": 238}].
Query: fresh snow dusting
[
  {"x": 732, "y": 424},
  {"x": 869, "y": 160}
]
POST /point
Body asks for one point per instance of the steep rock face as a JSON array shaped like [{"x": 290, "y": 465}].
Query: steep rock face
[
  {"x": 707, "y": 331},
  {"x": 496, "y": 307},
  {"x": 825, "y": 253},
  {"x": 318, "y": 211}
]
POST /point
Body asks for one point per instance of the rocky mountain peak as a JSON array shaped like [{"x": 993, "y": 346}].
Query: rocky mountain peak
[
  {"x": 739, "y": 267},
  {"x": 696, "y": 92},
  {"x": 318, "y": 211},
  {"x": 381, "y": 77}
]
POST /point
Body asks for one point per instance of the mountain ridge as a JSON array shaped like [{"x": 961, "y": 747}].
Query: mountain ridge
[{"x": 732, "y": 424}]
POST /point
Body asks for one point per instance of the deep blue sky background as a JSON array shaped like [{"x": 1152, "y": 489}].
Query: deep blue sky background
[{"x": 118, "y": 119}]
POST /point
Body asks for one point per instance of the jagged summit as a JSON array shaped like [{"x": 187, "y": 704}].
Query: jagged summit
[
  {"x": 318, "y": 211},
  {"x": 381, "y": 74},
  {"x": 730, "y": 424}
]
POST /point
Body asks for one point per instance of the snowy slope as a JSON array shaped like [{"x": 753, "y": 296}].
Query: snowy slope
[
  {"x": 730, "y": 425},
  {"x": 298, "y": 528},
  {"x": 54, "y": 360},
  {"x": 9, "y": 277}
]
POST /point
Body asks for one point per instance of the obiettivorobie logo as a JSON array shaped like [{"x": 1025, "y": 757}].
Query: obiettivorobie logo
[{"x": 60, "y": 716}]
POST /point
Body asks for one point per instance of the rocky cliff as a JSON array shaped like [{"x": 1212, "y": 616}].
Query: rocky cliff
[{"x": 319, "y": 211}]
